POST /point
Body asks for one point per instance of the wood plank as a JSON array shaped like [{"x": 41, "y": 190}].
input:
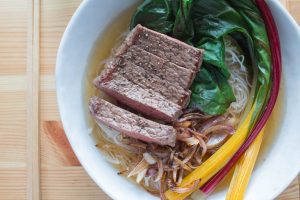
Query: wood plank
[
  {"x": 69, "y": 183},
  {"x": 14, "y": 83},
  {"x": 13, "y": 34},
  {"x": 13, "y": 37},
  {"x": 13, "y": 99},
  {"x": 56, "y": 149},
  {"x": 48, "y": 106},
  {"x": 33, "y": 71},
  {"x": 55, "y": 16},
  {"x": 12, "y": 184},
  {"x": 13, "y": 129}
]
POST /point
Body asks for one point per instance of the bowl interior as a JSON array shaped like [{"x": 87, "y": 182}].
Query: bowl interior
[{"x": 88, "y": 39}]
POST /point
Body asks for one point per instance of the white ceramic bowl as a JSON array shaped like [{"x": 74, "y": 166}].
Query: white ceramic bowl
[{"x": 279, "y": 161}]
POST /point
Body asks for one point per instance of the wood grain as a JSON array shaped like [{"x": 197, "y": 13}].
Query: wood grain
[
  {"x": 13, "y": 95},
  {"x": 69, "y": 183},
  {"x": 13, "y": 37},
  {"x": 13, "y": 183},
  {"x": 33, "y": 92},
  {"x": 30, "y": 33},
  {"x": 57, "y": 137}
]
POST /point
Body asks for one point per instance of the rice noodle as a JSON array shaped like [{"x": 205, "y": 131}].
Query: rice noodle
[{"x": 239, "y": 79}]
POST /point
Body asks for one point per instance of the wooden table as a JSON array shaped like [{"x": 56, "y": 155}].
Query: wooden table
[{"x": 30, "y": 32}]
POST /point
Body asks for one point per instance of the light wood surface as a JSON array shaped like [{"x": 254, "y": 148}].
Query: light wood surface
[
  {"x": 33, "y": 94},
  {"x": 36, "y": 160}
]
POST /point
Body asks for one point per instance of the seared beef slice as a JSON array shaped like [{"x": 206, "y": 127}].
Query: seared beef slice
[
  {"x": 164, "y": 69},
  {"x": 130, "y": 124},
  {"x": 145, "y": 101},
  {"x": 166, "y": 47},
  {"x": 147, "y": 80}
]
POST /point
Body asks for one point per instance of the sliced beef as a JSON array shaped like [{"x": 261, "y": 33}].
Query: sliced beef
[
  {"x": 151, "y": 73},
  {"x": 145, "y": 101},
  {"x": 164, "y": 69},
  {"x": 166, "y": 47},
  {"x": 130, "y": 124},
  {"x": 146, "y": 80}
]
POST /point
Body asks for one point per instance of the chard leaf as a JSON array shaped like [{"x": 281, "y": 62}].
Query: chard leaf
[
  {"x": 154, "y": 14},
  {"x": 211, "y": 92},
  {"x": 183, "y": 27}
]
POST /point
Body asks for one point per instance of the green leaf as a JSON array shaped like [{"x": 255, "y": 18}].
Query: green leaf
[
  {"x": 211, "y": 92},
  {"x": 183, "y": 26},
  {"x": 154, "y": 14}
]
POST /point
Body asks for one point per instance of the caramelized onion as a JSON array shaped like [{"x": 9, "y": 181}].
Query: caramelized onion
[
  {"x": 211, "y": 122},
  {"x": 160, "y": 170},
  {"x": 139, "y": 168},
  {"x": 182, "y": 164},
  {"x": 219, "y": 128},
  {"x": 188, "y": 188},
  {"x": 216, "y": 140}
]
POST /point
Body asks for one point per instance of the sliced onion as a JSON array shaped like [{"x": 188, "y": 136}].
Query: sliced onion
[
  {"x": 174, "y": 175},
  {"x": 162, "y": 189},
  {"x": 211, "y": 122},
  {"x": 183, "y": 165},
  {"x": 191, "y": 141},
  {"x": 202, "y": 145},
  {"x": 139, "y": 168},
  {"x": 193, "y": 116},
  {"x": 149, "y": 158},
  {"x": 170, "y": 169},
  {"x": 180, "y": 177},
  {"x": 192, "y": 166},
  {"x": 198, "y": 134},
  {"x": 141, "y": 175},
  {"x": 160, "y": 170},
  {"x": 139, "y": 145},
  {"x": 151, "y": 171},
  {"x": 146, "y": 180},
  {"x": 118, "y": 141},
  {"x": 216, "y": 140},
  {"x": 189, "y": 188},
  {"x": 183, "y": 124},
  {"x": 219, "y": 128},
  {"x": 190, "y": 155}
]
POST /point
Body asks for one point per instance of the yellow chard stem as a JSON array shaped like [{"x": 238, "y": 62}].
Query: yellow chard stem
[
  {"x": 217, "y": 161},
  {"x": 243, "y": 170}
]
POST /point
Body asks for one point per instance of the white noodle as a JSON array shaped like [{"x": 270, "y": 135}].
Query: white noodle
[{"x": 238, "y": 79}]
